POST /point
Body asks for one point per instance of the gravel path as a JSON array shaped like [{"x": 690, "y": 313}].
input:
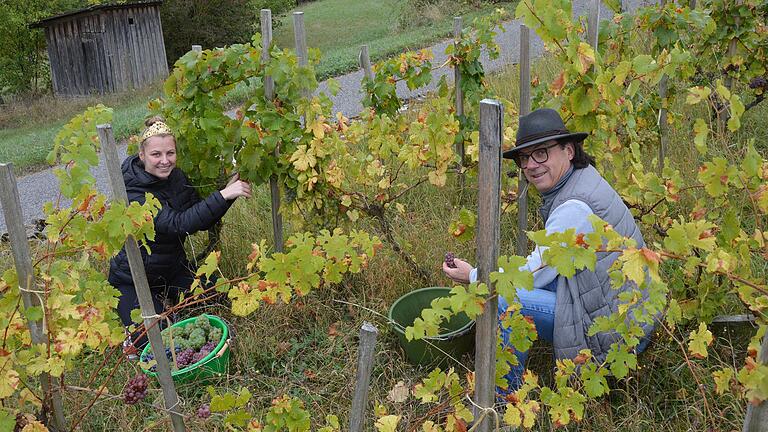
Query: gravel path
[{"x": 41, "y": 187}]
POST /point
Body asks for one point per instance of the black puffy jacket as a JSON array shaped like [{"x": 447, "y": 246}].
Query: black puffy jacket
[{"x": 182, "y": 213}]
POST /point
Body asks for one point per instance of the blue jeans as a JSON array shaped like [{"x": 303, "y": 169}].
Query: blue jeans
[{"x": 538, "y": 304}]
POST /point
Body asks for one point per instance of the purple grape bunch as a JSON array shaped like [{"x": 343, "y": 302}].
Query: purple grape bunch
[
  {"x": 449, "y": 257},
  {"x": 185, "y": 358},
  {"x": 204, "y": 351},
  {"x": 758, "y": 82},
  {"x": 204, "y": 411},
  {"x": 136, "y": 389}
]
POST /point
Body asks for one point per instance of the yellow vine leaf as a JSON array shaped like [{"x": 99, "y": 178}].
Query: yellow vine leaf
[
  {"x": 387, "y": 423},
  {"x": 699, "y": 340}
]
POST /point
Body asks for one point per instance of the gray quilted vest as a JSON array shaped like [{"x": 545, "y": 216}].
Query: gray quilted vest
[{"x": 588, "y": 294}]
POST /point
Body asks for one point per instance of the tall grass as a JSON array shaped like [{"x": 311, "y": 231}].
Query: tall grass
[{"x": 28, "y": 128}]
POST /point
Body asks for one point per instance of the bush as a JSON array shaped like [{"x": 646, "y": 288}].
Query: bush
[{"x": 23, "y": 60}]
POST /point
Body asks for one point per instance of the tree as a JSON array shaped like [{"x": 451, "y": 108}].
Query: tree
[
  {"x": 211, "y": 24},
  {"x": 23, "y": 61}
]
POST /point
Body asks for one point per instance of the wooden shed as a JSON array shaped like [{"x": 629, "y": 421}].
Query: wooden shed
[{"x": 105, "y": 48}]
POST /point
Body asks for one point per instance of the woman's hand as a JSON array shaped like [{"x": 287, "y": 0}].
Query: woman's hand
[
  {"x": 460, "y": 274},
  {"x": 236, "y": 188}
]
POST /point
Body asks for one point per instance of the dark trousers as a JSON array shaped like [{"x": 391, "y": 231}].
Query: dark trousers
[{"x": 164, "y": 293}]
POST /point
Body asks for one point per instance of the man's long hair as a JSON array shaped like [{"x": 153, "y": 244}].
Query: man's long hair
[{"x": 581, "y": 159}]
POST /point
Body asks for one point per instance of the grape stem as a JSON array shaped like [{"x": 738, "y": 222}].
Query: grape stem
[{"x": 104, "y": 394}]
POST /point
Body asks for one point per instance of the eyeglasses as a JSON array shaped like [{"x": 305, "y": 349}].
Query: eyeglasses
[{"x": 540, "y": 155}]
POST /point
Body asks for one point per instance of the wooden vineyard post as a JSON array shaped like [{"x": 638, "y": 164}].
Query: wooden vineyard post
[
  {"x": 756, "y": 419},
  {"x": 139, "y": 276},
  {"x": 365, "y": 359},
  {"x": 457, "y": 24},
  {"x": 300, "y": 37},
  {"x": 525, "y": 108},
  {"x": 663, "y": 129},
  {"x": 723, "y": 114},
  {"x": 22, "y": 258},
  {"x": 488, "y": 214},
  {"x": 269, "y": 93},
  {"x": 593, "y": 23},
  {"x": 732, "y": 45},
  {"x": 365, "y": 62}
]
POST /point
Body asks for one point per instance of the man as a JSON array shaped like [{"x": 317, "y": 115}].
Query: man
[{"x": 563, "y": 309}]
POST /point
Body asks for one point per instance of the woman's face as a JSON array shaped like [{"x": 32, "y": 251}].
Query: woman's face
[
  {"x": 545, "y": 175},
  {"x": 159, "y": 155}
]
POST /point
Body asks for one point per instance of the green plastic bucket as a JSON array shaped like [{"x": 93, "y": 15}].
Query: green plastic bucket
[
  {"x": 456, "y": 338},
  {"x": 215, "y": 363}
]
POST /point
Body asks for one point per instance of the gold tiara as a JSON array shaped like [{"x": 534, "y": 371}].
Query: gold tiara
[{"x": 157, "y": 128}]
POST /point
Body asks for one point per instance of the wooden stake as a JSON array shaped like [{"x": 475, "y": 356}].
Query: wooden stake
[
  {"x": 139, "y": 275},
  {"x": 457, "y": 25},
  {"x": 488, "y": 214},
  {"x": 525, "y": 108},
  {"x": 22, "y": 258},
  {"x": 724, "y": 114},
  {"x": 732, "y": 45},
  {"x": 593, "y": 23},
  {"x": 663, "y": 127},
  {"x": 365, "y": 360},
  {"x": 269, "y": 93},
  {"x": 300, "y": 37},
  {"x": 757, "y": 416},
  {"x": 365, "y": 62}
]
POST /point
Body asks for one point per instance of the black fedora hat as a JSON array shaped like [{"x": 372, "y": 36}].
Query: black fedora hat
[{"x": 541, "y": 126}]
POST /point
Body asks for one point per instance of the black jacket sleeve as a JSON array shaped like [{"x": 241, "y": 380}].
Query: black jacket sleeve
[{"x": 199, "y": 217}]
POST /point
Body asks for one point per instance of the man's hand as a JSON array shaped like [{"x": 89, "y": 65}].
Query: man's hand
[{"x": 460, "y": 274}]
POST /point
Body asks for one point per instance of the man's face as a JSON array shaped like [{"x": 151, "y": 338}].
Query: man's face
[{"x": 555, "y": 160}]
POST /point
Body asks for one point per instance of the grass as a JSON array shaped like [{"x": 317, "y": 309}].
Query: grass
[
  {"x": 29, "y": 128},
  {"x": 339, "y": 27}
]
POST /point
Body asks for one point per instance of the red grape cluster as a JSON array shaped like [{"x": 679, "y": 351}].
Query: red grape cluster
[
  {"x": 204, "y": 351},
  {"x": 136, "y": 389},
  {"x": 185, "y": 358},
  {"x": 449, "y": 257},
  {"x": 204, "y": 411}
]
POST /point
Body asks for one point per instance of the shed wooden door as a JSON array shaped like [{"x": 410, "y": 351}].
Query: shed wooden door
[
  {"x": 98, "y": 78},
  {"x": 93, "y": 54}
]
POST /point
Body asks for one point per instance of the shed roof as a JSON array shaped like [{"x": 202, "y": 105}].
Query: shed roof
[{"x": 102, "y": 7}]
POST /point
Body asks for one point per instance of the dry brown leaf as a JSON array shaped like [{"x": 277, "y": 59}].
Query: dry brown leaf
[
  {"x": 333, "y": 330},
  {"x": 399, "y": 393}
]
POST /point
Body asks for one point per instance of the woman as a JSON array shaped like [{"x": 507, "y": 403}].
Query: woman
[
  {"x": 153, "y": 170},
  {"x": 554, "y": 162}
]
